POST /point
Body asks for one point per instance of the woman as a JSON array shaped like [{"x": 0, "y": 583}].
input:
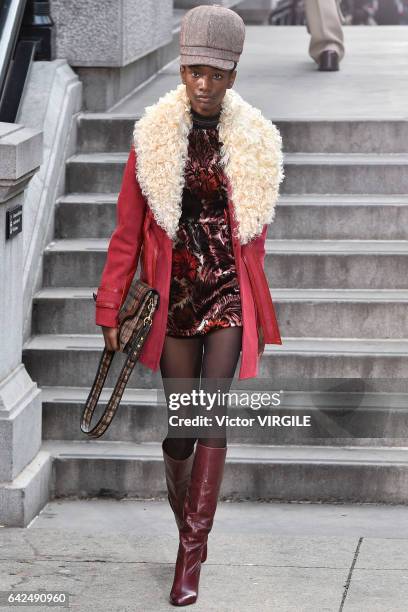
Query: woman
[{"x": 198, "y": 191}]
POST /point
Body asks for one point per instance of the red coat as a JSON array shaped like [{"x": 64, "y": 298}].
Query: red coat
[{"x": 137, "y": 233}]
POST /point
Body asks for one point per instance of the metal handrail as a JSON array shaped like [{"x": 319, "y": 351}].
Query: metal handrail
[
  {"x": 287, "y": 12},
  {"x": 12, "y": 13}
]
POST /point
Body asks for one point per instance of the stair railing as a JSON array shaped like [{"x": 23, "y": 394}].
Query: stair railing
[
  {"x": 288, "y": 12},
  {"x": 25, "y": 35}
]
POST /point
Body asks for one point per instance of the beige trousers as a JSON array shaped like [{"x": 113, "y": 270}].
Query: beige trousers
[{"x": 324, "y": 21}]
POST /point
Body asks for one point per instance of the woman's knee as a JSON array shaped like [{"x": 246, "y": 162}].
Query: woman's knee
[{"x": 179, "y": 448}]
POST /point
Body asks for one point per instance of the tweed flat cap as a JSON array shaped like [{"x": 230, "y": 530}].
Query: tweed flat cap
[{"x": 212, "y": 35}]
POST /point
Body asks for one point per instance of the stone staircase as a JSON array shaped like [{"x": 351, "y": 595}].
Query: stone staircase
[{"x": 336, "y": 260}]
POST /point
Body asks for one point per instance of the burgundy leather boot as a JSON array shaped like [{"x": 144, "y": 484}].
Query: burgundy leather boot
[
  {"x": 178, "y": 473},
  {"x": 199, "y": 510}
]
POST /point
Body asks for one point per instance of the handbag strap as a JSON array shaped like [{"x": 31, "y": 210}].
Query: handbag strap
[{"x": 103, "y": 368}]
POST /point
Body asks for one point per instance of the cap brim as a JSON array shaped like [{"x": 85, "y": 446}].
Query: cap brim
[{"x": 191, "y": 60}]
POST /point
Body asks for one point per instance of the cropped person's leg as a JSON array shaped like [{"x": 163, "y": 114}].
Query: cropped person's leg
[{"x": 324, "y": 24}]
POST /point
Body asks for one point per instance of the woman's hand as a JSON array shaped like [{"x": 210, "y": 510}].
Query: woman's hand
[{"x": 111, "y": 335}]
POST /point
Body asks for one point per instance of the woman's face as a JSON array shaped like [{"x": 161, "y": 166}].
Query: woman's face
[{"x": 209, "y": 82}]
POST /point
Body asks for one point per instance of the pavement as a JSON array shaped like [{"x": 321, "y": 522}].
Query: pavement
[
  {"x": 119, "y": 555},
  {"x": 276, "y": 74}
]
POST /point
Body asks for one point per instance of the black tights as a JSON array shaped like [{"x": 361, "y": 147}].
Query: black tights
[{"x": 211, "y": 356}]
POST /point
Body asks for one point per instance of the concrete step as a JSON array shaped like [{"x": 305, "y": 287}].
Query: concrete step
[
  {"x": 341, "y": 217},
  {"x": 290, "y": 473},
  {"x": 85, "y": 215},
  {"x": 323, "y": 264},
  {"x": 98, "y": 132},
  {"x": 297, "y": 364},
  {"x": 329, "y": 313},
  {"x": 336, "y": 419},
  {"x": 317, "y": 217},
  {"x": 353, "y": 173},
  {"x": 95, "y": 172},
  {"x": 344, "y": 136}
]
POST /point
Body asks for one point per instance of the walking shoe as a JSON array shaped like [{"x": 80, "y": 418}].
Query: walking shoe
[{"x": 329, "y": 61}]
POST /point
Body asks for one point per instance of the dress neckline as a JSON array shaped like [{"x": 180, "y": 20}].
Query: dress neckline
[{"x": 205, "y": 121}]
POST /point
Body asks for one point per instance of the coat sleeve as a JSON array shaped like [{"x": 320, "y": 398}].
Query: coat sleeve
[{"x": 123, "y": 249}]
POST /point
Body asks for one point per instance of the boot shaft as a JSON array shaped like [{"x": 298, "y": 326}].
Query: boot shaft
[{"x": 203, "y": 491}]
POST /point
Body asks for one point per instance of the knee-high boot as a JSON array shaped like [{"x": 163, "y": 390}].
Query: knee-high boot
[
  {"x": 178, "y": 472},
  {"x": 199, "y": 510}
]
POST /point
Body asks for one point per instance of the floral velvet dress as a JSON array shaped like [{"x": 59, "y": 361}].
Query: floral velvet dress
[{"x": 204, "y": 290}]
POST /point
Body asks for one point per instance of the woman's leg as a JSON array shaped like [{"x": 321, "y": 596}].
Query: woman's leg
[
  {"x": 180, "y": 366},
  {"x": 222, "y": 348},
  {"x": 221, "y": 353}
]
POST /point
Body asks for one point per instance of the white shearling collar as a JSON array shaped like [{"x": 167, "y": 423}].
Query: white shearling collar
[{"x": 251, "y": 155}]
